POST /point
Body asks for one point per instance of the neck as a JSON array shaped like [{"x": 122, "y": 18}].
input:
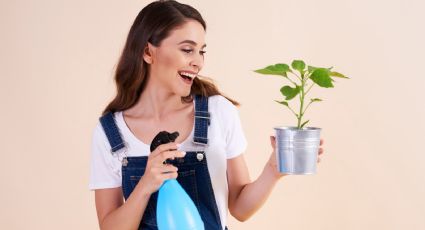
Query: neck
[{"x": 156, "y": 102}]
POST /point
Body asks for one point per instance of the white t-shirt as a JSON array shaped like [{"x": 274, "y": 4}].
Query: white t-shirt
[{"x": 226, "y": 140}]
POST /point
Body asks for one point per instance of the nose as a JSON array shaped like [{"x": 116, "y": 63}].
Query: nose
[{"x": 197, "y": 61}]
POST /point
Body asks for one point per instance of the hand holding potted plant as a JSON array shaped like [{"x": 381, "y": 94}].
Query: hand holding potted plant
[{"x": 297, "y": 146}]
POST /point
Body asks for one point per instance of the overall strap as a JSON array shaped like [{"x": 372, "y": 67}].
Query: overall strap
[
  {"x": 112, "y": 132},
  {"x": 202, "y": 120}
]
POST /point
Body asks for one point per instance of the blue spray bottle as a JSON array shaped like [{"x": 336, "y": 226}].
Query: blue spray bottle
[{"x": 175, "y": 209}]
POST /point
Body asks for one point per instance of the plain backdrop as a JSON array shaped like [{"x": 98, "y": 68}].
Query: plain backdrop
[{"x": 57, "y": 60}]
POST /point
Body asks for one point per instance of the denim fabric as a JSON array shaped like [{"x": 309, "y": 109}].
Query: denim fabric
[
  {"x": 193, "y": 174},
  {"x": 202, "y": 120},
  {"x": 112, "y": 132}
]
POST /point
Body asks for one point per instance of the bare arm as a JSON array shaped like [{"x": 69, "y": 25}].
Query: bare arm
[
  {"x": 246, "y": 197},
  {"x": 114, "y": 214}
]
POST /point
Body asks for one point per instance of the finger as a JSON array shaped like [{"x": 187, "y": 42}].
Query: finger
[
  {"x": 169, "y": 155},
  {"x": 273, "y": 141},
  {"x": 320, "y": 151},
  {"x": 172, "y": 175},
  {"x": 321, "y": 141},
  {"x": 165, "y": 147},
  {"x": 318, "y": 160},
  {"x": 168, "y": 168}
]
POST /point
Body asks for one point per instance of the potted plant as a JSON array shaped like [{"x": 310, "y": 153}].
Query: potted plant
[{"x": 297, "y": 146}]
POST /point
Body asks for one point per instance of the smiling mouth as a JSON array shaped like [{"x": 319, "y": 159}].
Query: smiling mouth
[{"x": 186, "y": 79}]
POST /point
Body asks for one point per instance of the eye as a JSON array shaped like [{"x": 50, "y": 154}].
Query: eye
[
  {"x": 202, "y": 52},
  {"x": 186, "y": 50}
]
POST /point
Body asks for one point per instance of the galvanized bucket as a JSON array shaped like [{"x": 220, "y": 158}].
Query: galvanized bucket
[{"x": 297, "y": 149}]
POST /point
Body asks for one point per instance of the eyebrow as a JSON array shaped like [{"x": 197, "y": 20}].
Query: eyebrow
[{"x": 192, "y": 42}]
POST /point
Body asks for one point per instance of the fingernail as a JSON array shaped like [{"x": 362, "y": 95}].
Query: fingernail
[
  {"x": 184, "y": 153},
  {"x": 179, "y": 145}
]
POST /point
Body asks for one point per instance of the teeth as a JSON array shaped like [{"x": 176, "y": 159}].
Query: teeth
[{"x": 188, "y": 74}]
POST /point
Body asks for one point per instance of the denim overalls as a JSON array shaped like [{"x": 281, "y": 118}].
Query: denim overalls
[{"x": 193, "y": 172}]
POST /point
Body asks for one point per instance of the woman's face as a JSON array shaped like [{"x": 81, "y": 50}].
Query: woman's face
[{"x": 181, "y": 52}]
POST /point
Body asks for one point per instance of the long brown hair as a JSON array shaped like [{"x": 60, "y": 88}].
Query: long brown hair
[{"x": 153, "y": 24}]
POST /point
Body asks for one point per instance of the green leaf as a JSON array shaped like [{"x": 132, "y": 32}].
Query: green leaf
[
  {"x": 315, "y": 99},
  {"x": 311, "y": 68},
  {"x": 290, "y": 92},
  {"x": 321, "y": 77},
  {"x": 282, "y": 102},
  {"x": 340, "y": 75},
  {"x": 302, "y": 125},
  {"x": 298, "y": 65},
  {"x": 277, "y": 69}
]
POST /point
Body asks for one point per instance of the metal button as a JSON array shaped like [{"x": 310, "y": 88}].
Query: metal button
[
  {"x": 200, "y": 156},
  {"x": 124, "y": 161}
]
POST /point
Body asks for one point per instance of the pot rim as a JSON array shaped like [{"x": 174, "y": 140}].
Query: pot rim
[{"x": 294, "y": 128}]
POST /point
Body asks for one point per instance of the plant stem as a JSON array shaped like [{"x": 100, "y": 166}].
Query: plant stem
[
  {"x": 309, "y": 89},
  {"x": 293, "y": 111},
  {"x": 300, "y": 116},
  {"x": 300, "y": 78},
  {"x": 295, "y": 84},
  {"x": 307, "y": 106}
]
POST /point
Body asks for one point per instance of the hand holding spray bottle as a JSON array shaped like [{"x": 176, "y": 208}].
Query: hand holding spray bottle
[{"x": 175, "y": 210}]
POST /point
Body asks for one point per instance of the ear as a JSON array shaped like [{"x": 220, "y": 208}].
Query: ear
[{"x": 148, "y": 53}]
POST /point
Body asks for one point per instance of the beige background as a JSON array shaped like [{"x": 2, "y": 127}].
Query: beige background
[{"x": 57, "y": 60}]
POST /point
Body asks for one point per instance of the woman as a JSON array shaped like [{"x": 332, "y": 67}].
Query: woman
[{"x": 158, "y": 88}]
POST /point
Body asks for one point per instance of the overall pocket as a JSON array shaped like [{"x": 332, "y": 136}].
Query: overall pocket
[
  {"x": 149, "y": 216},
  {"x": 187, "y": 180}
]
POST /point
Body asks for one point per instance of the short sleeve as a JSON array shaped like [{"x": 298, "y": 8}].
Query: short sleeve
[
  {"x": 235, "y": 139},
  {"x": 102, "y": 173}
]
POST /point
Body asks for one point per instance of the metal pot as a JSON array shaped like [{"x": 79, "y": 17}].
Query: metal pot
[{"x": 297, "y": 149}]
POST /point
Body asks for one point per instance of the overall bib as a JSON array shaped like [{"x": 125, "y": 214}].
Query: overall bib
[{"x": 193, "y": 174}]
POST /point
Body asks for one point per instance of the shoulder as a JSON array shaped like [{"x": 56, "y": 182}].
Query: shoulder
[
  {"x": 98, "y": 134},
  {"x": 220, "y": 102},
  {"x": 223, "y": 109},
  {"x": 99, "y": 131}
]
